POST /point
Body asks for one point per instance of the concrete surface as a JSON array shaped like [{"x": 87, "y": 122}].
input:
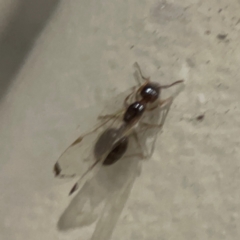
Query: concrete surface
[{"x": 58, "y": 58}]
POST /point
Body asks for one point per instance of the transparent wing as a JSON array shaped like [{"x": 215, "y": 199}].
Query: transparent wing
[
  {"x": 103, "y": 197},
  {"x": 79, "y": 158}
]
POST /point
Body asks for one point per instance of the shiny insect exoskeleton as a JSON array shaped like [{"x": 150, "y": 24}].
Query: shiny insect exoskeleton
[{"x": 149, "y": 92}]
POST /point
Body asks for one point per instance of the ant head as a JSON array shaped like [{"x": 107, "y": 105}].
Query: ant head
[{"x": 150, "y": 92}]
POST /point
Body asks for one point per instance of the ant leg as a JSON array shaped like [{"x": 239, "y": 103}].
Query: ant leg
[
  {"x": 110, "y": 116},
  {"x": 139, "y": 145},
  {"x": 139, "y": 78},
  {"x": 165, "y": 107},
  {"x": 136, "y": 65},
  {"x": 166, "y": 102},
  {"x": 134, "y": 155},
  {"x": 152, "y": 108},
  {"x": 172, "y": 84},
  {"x": 126, "y": 104},
  {"x": 149, "y": 125}
]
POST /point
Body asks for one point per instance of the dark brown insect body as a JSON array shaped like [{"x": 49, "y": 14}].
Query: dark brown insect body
[
  {"x": 134, "y": 112},
  {"x": 117, "y": 151},
  {"x": 149, "y": 93}
]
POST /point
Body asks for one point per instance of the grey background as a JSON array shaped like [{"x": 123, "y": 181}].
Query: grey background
[{"x": 57, "y": 58}]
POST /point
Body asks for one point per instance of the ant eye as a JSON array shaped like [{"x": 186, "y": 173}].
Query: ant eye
[{"x": 150, "y": 92}]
